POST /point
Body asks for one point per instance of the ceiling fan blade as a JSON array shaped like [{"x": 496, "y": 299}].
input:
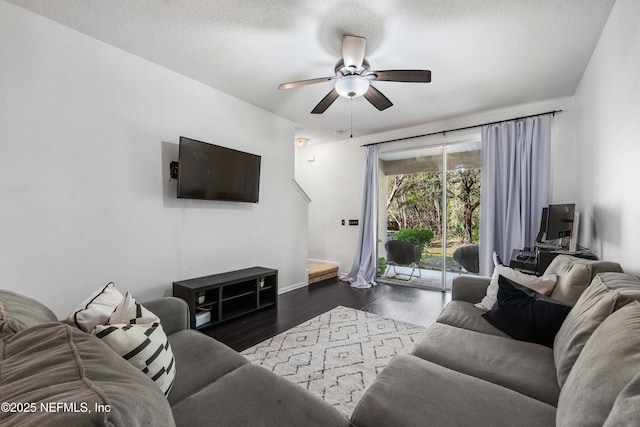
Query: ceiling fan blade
[
  {"x": 305, "y": 82},
  {"x": 377, "y": 99},
  {"x": 353, "y": 49},
  {"x": 409, "y": 76},
  {"x": 325, "y": 103}
]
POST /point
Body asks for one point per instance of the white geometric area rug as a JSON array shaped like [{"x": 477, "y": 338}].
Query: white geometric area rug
[{"x": 336, "y": 355}]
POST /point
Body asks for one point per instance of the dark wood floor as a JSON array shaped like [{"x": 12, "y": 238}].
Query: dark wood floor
[{"x": 412, "y": 305}]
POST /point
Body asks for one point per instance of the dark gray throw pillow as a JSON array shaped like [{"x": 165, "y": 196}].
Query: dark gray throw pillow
[{"x": 523, "y": 317}]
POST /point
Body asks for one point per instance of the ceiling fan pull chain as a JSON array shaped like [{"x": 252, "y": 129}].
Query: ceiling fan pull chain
[{"x": 351, "y": 117}]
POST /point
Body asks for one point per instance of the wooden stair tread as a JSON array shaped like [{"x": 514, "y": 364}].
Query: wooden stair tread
[{"x": 319, "y": 271}]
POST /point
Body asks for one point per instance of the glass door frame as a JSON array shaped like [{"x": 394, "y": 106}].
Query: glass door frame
[{"x": 444, "y": 146}]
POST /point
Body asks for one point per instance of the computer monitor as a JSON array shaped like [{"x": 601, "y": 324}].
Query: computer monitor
[
  {"x": 560, "y": 221},
  {"x": 543, "y": 225}
]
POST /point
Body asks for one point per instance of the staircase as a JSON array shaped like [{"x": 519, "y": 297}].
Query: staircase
[{"x": 319, "y": 271}]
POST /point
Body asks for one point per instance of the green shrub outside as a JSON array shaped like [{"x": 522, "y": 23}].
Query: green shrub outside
[{"x": 415, "y": 236}]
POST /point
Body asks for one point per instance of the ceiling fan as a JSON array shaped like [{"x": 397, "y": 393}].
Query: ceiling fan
[{"x": 353, "y": 77}]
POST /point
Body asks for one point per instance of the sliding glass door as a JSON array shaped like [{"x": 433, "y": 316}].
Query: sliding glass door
[
  {"x": 430, "y": 198},
  {"x": 462, "y": 205}
]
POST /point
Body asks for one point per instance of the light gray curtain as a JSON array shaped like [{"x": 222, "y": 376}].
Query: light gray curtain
[
  {"x": 363, "y": 271},
  {"x": 516, "y": 159}
]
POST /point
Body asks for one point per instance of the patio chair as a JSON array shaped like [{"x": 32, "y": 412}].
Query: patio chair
[
  {"x": 402, "y": 254},
  {"x": 468, "y": 257}
]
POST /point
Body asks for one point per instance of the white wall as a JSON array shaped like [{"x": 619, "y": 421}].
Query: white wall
[
  {"x": 608, "y": 140},
  {"x": 88, "y": 131},
  {"x": 334, "y": 179}
]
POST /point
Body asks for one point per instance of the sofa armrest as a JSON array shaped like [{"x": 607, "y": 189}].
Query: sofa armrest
[
  {"x": 469, "y": 288},
  {"x": 173, "y": 313}
]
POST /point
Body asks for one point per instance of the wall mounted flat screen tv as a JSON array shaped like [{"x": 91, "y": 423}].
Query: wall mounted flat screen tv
[{"x": 211, "y": 172}]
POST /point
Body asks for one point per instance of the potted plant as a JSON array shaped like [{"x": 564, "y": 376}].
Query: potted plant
[
  {"x": 200, "y": 297},
  {"x": 382, "y": 266}
]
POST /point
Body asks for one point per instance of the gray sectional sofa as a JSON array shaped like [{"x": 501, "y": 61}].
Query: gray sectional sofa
[
  {"x": 465, "y": 372},
  {"x": 81, "y": 381}
]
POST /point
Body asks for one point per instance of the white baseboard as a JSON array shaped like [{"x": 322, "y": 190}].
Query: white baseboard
[
  {"x": 292, "y": 287},
  {"x": 325, "y": 262}
]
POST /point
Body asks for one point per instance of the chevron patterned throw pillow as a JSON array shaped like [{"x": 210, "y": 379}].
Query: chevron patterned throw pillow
[{"x": 135, "y": 333}]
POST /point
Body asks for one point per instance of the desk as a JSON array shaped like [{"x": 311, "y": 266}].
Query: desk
[
  {"x": 538, "y": 264},
  {"x": 527, "y": 265}
]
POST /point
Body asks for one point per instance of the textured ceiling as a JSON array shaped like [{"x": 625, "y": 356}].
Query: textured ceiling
[{"x": 483, "y": 54}]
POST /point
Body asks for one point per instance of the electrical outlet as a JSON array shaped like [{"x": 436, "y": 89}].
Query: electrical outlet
[{"x": 353, "y": 222}]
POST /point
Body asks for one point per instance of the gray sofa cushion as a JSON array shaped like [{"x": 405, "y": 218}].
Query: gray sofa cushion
[
  {"x": 200, "y": 360},
  {"x": 626, "y": 408},
  {"x": 254, "y": 396},
  {"x": 521, "y": 366},
  {"x": 608, "y": 362},
  {"x": 414, "y": 392},
  {"x": 463, "y": 314},
  {"x": 173, "y": 313},
  {"x": 54, "y": 362},
  {"x": 607, "y": 293},
  {"x": 574, "y": 275},
  {"x": 469, "y": 288},
  {"x": 573, "y": 279},
  {"x": 18, "y": 313}
]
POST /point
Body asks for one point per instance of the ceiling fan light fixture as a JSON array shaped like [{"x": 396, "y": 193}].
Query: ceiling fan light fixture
[
  {"x": 352, "y": 86},
  {"x": 352, "y": 77}
]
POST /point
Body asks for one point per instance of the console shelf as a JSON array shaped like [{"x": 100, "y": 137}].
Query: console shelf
[{"x": 229, "y": 295}]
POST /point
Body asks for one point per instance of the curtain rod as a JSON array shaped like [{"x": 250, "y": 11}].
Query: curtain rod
[{"x": 443, "y": 132}]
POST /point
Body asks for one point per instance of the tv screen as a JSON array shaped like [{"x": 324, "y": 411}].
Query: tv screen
[{"x": 211, "y": 172}]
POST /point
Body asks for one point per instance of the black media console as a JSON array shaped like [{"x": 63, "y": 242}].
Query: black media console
[{"x": 226, "y": 296}]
